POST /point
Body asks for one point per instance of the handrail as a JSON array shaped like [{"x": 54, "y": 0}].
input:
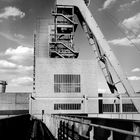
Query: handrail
[
  {"x": 65, "y": 46},
  {"x": 56, "y": 14},
  {"x": 58, "y": 54},
  {"x": 99, "y": 126}
]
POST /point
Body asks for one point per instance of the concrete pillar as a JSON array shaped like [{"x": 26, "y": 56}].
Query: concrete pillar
[{"x": 121, "y": 105}]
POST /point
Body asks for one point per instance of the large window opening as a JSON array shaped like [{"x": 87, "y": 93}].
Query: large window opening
[{"x": 67, "y": 83}]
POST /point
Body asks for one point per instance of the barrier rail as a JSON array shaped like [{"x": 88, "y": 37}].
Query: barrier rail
[{"x": 73, "y": 128}]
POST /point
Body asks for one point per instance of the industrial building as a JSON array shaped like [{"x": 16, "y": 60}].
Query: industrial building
[
  {"x": 61, "y": 79},
  {"x": 65, "y": 103},
  {"x": 65, "y": 84}
]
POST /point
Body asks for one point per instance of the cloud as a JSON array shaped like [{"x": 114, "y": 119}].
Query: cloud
[
  {"x": 107, "y": 4},
  {"x": 12, "y": 68},
  {"x": 125, "y": 42},
  {"x": 136, "y": 70},
  {"x": 22, "y": 81},
  {"x": 128, "y": 5},
  {"x": 7, "y": 65},
  {"x": 131, "y": 25},
  {"x": 20, "y": 54},
  {"x": 120, "y": 42},
  {"x": 134, "y": 78},
  {"x": 17, "y": 38},
  {"x": 11, "y": 12},
  {"x": 21, "y": 68}
]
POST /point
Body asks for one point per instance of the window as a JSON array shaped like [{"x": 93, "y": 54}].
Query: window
[
  {"x": 67, "y": 106},
  {"x": 65, "y": 83},
  {"x": 126, "y": 108}
]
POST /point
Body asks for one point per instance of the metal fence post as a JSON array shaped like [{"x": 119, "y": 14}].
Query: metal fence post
[
  {"x": 64, "y": 128},
  {"x": 73, "y": 131},
  {"x": 111, "y": 135},
  {"x": 80, "y": 129},
  {"x": 67, "y": 131},
  {"x": 60, "y": 131},
  {"x": 57, "y": 127},
  {"x": 92, "y": 133}
]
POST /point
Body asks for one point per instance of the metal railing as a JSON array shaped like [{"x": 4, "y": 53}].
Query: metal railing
[{"x": 73, "y": 128}]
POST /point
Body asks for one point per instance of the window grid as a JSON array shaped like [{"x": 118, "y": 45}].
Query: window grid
[
  {"x": 67, "y": 106},
  {"x": 126, "y": 108},
  {"x": 67, "y": 83}
]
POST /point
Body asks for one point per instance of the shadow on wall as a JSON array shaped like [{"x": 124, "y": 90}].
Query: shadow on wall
[{"x": 24, "y": 127}]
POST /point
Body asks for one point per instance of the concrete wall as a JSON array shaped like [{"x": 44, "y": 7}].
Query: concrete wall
[
  {"x": 44, "y": 85},
  {"x": 13, "y": 102},
  {"x": 46, "y": 68}
]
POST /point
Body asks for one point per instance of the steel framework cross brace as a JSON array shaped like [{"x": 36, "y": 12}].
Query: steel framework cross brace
[{"x": 102, "y": 50}]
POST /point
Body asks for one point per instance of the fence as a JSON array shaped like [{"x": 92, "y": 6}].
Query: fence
[{"x": 73, "y": 128}]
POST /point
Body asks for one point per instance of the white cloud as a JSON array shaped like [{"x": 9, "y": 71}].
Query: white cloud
[
  {"x": 128, "y": 5},
  {"x": 9, "y": 37},
  {"x": 19, "y": 36},
  {"x": 125, "y": 42},
  {"x": 134, "y": 78},
  {"x": 131, "y": 25},
  {"x": 120, "y": 42},
  {"x": 20, "y": 53},
  {"x": 12, "y": 68},
  {"x": 107, "y": 4},
  {"x": 136, "y": 70},
  {"x": 24, "y": 69},
  {"x": 7, "y": 65},
  {"x": 11, "y": 12},
  {"x": 22, "y": 81}
]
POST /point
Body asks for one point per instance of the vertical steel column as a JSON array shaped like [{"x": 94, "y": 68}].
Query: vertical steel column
[
  {"x": 114, "y": 107},
  {"x": 67, "y": 131},
  {"x": 64, "y": 128},
  {"x": 60, "y": 131},
  {"x": 81, "y": 128},
  {"x": 73, "y": 131},
  {"x": 121, "y": 104},
  {"x": 56, "y": 126}
]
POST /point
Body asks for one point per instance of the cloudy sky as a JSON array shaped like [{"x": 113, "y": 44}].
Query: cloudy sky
[{"x": 119, "y": 21}]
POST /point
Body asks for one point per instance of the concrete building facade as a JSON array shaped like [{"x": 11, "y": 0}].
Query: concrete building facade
[
  {"x": 65, "y": 96},
  {"x": 61, "y": 85}
]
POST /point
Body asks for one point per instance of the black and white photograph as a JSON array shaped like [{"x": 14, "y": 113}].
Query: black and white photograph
[{"x": 69, "y": 69}]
